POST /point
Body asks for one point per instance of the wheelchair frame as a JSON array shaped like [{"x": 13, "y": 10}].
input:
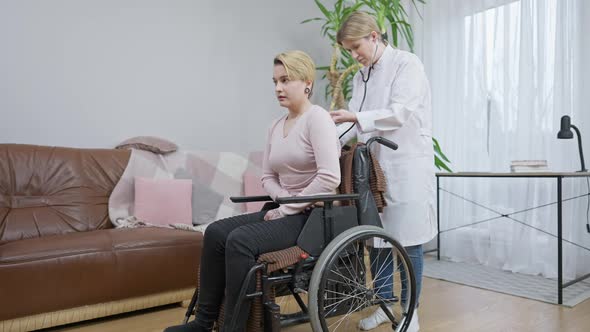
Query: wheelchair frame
[{"x": 318, "y": 234}]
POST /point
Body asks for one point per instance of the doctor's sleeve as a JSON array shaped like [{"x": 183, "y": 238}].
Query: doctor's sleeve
[
  {"x": 349, "y": 135},
  {"x": 408, "y": 92}
]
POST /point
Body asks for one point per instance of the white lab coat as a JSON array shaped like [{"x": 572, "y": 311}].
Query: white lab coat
[{"x": 397, "y": 107}]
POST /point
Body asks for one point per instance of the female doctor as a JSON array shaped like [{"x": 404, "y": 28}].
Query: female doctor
[{"x": 391, "y": 98}]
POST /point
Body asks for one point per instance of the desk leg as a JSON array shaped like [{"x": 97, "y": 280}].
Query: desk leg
[
  {"x": 438, "y": 218},
  {"x": 559, "y": 242}
]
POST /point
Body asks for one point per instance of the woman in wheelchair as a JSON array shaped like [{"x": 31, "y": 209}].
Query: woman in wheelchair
[{"x": 301, "y": 159}]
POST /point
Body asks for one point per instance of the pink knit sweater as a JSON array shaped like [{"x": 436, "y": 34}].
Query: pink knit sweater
[{"x": 305, "y": 162}]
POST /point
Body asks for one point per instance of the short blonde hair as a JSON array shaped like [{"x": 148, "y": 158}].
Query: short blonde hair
[
  {"x": 358, "y": 25},
  {"x": 298, "y": 64}
]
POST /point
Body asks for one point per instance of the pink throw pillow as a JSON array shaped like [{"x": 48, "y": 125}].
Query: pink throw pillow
[{"x": 163, "y": 201}]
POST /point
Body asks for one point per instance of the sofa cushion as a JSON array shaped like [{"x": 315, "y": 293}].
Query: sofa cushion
[
  {"x": 66, "y": 271},
  {"x": 54, "y": 246},
  {"x": 49, "y": 190}
]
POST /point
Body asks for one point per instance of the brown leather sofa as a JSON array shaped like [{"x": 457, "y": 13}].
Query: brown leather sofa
[{"x": 61, "y": 260}]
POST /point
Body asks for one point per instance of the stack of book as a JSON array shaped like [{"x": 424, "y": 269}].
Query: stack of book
[{"x": 528, "y": 166}]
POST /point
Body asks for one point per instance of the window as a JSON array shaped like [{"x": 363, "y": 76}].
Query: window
[{"x": 508, "y": 74}]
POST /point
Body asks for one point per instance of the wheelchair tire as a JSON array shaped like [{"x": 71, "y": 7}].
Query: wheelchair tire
[{"x": 332, "y": 276}]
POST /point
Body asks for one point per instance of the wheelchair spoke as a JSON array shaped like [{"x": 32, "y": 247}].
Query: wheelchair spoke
[
  {"x": 349, "y": 296},
  {"x": 331, "y": 296},
  {"x": 384, "y": 282},
  {"x": 343, "y": 294},
  {"x": 352, "y": 308},
  {"x": 348, "y": 280},
  {"x": 350, "y": 311},
  {"x": 361, "y": 262},
  {"x": 344, "y": 282},
  {"x": 352, "y": 282},
  {"x": 376, "y": 281},
  {"x": 384, "y": 264},
  {"x": 351, "y": 273},
  {"x": 351, "y": 264}
]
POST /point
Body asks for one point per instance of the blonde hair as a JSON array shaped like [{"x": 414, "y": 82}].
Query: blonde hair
[
  {"x": 358, "y": 25},
  {"x": 298, "y": 64}
]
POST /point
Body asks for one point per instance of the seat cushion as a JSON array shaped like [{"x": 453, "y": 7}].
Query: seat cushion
[
  {"x": 55, "y": 246},
  {"x": 75, "y": 269}
]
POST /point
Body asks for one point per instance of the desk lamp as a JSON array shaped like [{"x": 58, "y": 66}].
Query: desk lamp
[{"x": 566, "y": 133}]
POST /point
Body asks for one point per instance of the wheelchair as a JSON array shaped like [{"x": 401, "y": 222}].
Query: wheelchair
[{"x": 330, "y": 278}]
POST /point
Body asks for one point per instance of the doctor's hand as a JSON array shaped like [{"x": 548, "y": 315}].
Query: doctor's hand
[
  {"x": 273, "y": 214},
  {"x": 340, "y": 116}
]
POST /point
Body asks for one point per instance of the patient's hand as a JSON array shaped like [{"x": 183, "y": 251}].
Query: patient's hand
[
  {"x": 321, "y": 204},
  {"x": 273, "y": 214}
]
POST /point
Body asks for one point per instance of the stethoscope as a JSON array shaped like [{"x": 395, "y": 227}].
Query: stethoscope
[{"x": 365, "y": 81}]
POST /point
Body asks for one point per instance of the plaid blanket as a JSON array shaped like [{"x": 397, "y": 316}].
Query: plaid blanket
[
  {"x": 133, "y": 222},
  {"x": 219, "y": 175}
]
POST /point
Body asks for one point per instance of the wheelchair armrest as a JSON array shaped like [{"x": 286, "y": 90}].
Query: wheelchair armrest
[
  {"x": 247, "y": 199},
  {"x": 382, "y": 141},
  {"x": 317, "y": 198}
]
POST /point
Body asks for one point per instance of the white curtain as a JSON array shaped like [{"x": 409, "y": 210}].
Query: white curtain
[{"x": 502, "y": 74}]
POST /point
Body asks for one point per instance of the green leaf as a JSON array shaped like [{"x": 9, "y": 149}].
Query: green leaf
[
  {"x": 435, "y": 142},
  {"x": 311, "y": 19},
  {"x": 442, "y": 155},
  {"x": 438, "y": 150},
  {"x": 416, "y": 7},
  {"x": 395, "y": 5},
  {"x": 441, "y": 165},
  {"x": 323, "y": 9}
]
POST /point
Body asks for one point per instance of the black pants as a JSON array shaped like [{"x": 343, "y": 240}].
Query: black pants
[{"x": 230, "y": 248}]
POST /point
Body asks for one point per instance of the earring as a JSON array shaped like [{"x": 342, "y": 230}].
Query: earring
[{"x": 307, "y": 90}]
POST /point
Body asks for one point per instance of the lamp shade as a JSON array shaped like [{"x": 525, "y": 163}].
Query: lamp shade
[{"x": 565, "y": 132}]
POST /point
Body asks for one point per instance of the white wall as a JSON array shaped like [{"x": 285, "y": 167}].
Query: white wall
[{"x": 91, "y": 73}]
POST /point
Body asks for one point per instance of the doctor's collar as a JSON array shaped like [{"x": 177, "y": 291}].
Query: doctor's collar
[{"x": 385, "y": 56}]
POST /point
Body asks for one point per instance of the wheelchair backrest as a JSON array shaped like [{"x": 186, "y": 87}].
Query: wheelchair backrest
[{"x": 367, "y": 211}]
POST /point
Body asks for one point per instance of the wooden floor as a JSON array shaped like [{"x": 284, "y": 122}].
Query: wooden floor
[{"x": 444, "y": 307}]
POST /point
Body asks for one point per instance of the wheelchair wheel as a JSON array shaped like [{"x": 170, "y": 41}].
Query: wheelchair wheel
[{"x": 352, "y": 278}]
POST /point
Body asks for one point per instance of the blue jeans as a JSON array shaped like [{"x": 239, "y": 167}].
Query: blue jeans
[{"x": 382, "y": 268}]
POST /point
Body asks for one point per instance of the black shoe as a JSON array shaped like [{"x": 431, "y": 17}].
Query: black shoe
[{"x": 191, "y": 326}]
